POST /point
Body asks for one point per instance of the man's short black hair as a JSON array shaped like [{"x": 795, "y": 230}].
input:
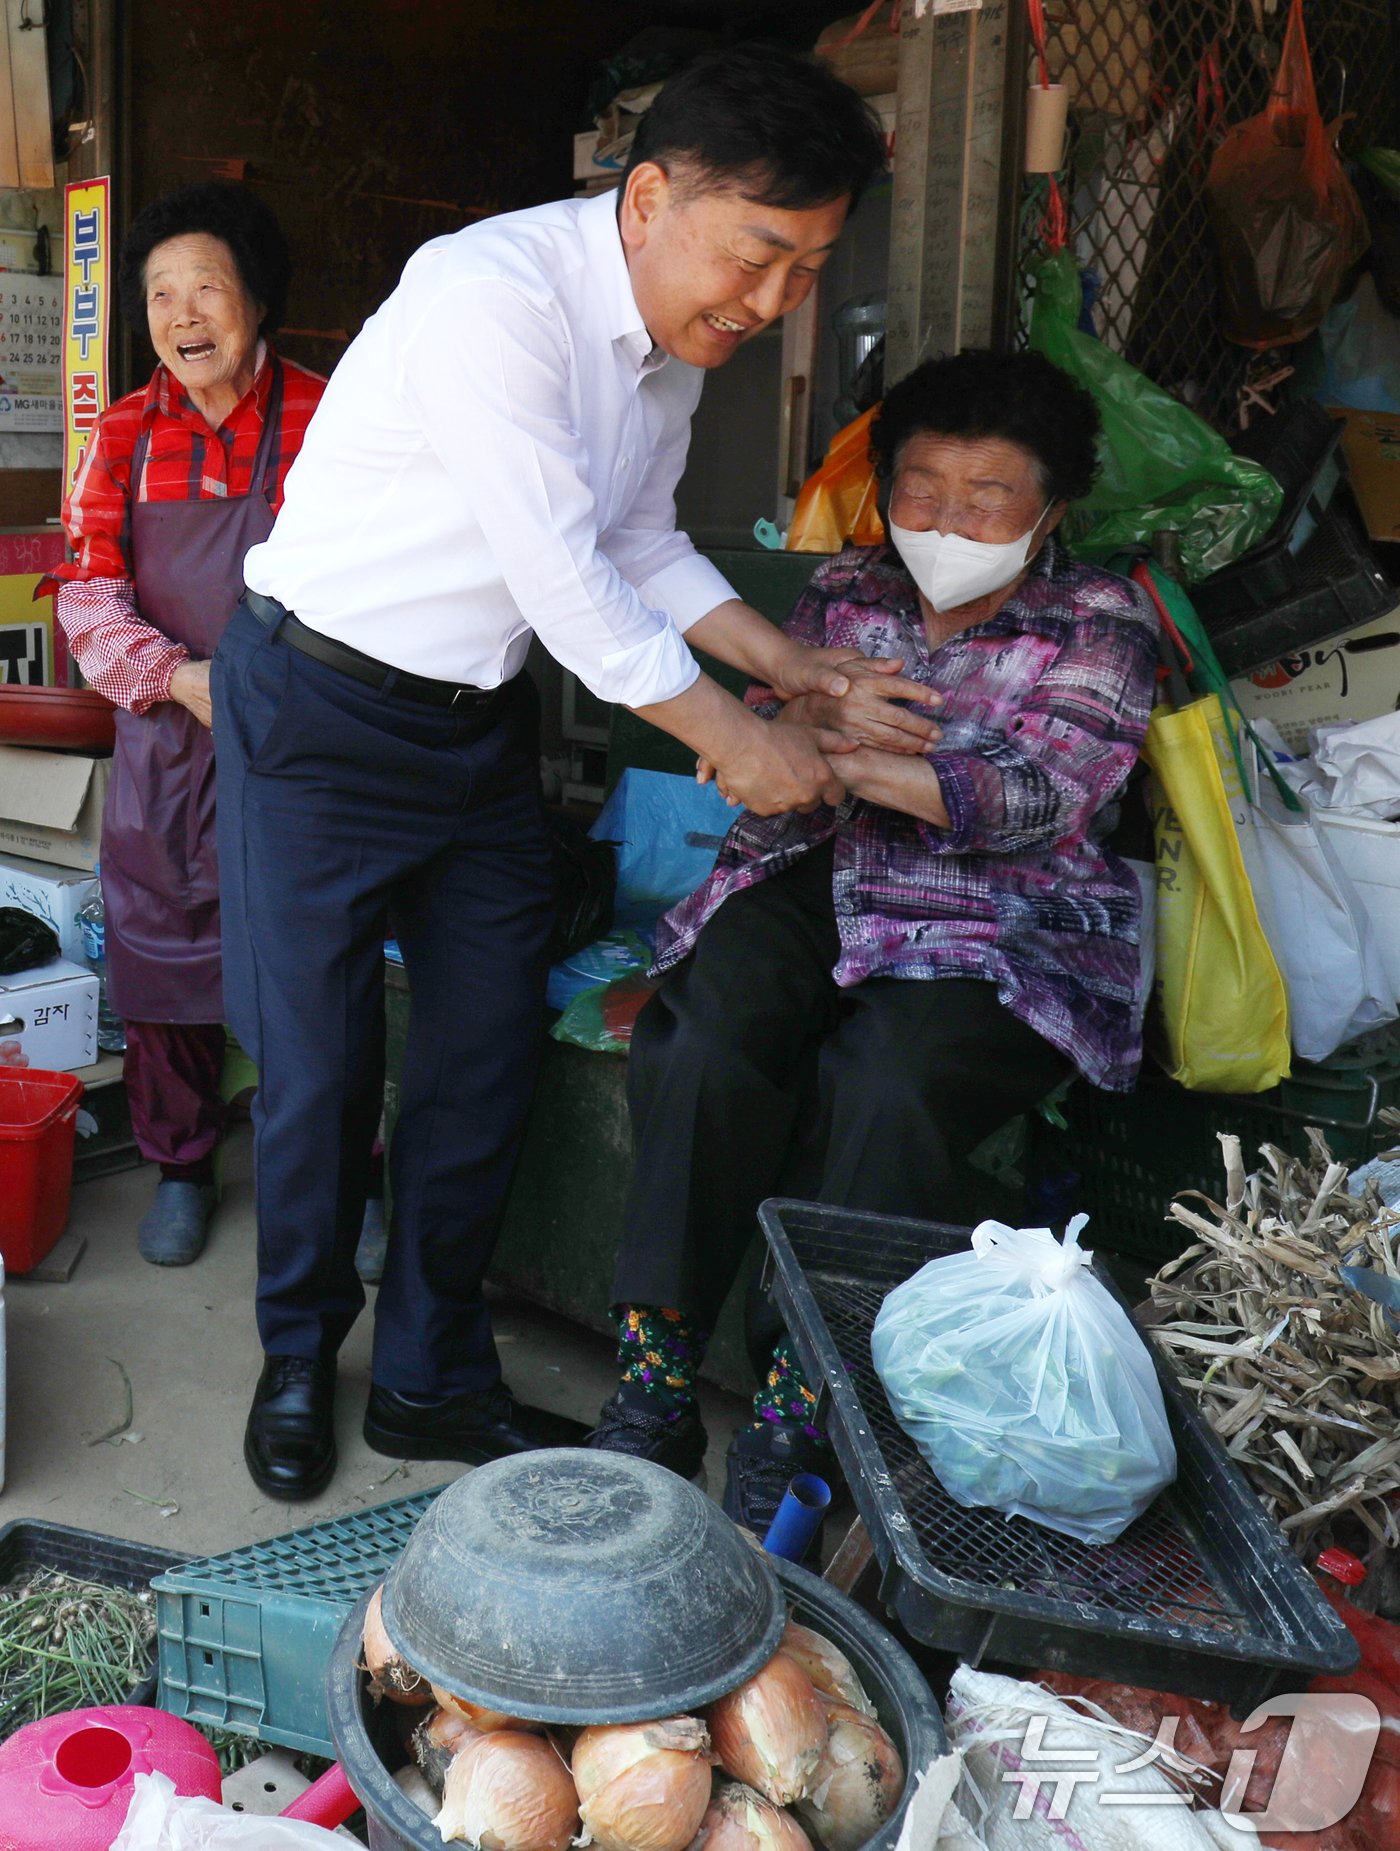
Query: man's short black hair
[
  {"x": 247, "y": 226},
  {"x": 779, "y": 129},
  {"x": 1020, "y": 397}
]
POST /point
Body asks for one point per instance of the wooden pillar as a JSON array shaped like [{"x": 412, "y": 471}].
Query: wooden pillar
[{"x": 947, "y": 251}]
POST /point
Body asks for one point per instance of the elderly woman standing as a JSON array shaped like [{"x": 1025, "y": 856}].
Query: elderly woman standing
[
  {"x": 180, "y": 479},
  {"x": 856, "y": 998}
]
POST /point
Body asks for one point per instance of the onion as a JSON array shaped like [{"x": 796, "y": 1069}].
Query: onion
[
  {"x": 771, "y": 1731},
  {"x": 741, "y": 1820},
  {"x": 413, "y": 1786},
  {"x": 830, "y": 1670},
  {"x": 478, "y": 1715},
  {"x": 509, "y": 1792},
  {"x": 858, "y": 1781},
  {"x": 438, "y": 1741},
  {"x": 389, "y": 1675},
  {"x": 643, "y": 1786}
]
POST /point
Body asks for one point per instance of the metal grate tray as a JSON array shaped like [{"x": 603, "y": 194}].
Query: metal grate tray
[{"x": 1200, "y": 1596}]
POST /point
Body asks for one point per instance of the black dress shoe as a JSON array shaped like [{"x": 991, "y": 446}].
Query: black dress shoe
[
  {"x": 289, "y": 1445},
  {"x": 472, "y": 1428}
]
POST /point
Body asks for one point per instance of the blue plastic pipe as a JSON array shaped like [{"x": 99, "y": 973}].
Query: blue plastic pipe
[{"x": 795, "y": 1524}]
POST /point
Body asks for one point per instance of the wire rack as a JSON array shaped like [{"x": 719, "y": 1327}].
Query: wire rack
[
  {"x": 1152, "y": 85},
  {"x": 1158, "y": 1569},
  {"x": 1199, "y": 1595}
]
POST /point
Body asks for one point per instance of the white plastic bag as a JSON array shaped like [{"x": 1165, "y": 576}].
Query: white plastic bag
[
  {"x": 1040, "y": 1776},
  {"x": 160, "y": 1819},
  {"x": 1025, "y": 1385},
  {"x": 1316, "y": 924}
]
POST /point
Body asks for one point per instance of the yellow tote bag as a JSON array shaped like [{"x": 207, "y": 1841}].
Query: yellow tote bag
[{"x": 1224, "y": 1009}]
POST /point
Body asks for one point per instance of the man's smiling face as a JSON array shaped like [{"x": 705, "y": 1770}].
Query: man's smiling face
[{"x": 709, "y": 267}]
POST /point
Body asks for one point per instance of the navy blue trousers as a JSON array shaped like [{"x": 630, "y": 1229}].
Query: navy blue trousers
[{"x": 341, "y": 806}]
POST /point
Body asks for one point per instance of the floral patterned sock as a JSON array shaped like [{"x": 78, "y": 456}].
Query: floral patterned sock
[
  {"x": 658, "y": 1352},
  {"x": 785, "y": 1395}
]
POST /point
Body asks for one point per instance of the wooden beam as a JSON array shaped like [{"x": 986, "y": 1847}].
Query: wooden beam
[
  {"x": 9, "y": 143},
  {"x": 800, "y": 333},
  {"x": 29, "y": 73},
  {"x": 947, "y": 198}
]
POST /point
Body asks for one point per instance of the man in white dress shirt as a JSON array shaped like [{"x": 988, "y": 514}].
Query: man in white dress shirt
[{"x": 495, "y": 457}]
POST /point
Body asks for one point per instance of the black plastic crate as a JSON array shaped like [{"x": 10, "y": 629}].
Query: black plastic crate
[
  {"x": 1300, "y": 446},
  {"x": 1121, "y": 1157},
  {"x": 1200, "y": 1595},
  {"x": 110, "y": 1562},
  {"x": 1339, "y": 585},
  {"x": 107, "y": 1144}
]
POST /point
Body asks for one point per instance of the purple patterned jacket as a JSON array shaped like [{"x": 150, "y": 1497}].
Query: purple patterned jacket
[{"x": 1045, "y": 707}]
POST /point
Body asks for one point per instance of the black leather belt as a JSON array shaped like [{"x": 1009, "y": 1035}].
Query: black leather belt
[{"x": 361, "y": 667}]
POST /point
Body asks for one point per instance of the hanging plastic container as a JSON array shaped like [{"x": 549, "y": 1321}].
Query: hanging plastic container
[{"x": 66, "y": 1782}]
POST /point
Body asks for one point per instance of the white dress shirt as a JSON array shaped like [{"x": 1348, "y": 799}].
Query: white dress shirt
[{"x": 497, "y": 454}]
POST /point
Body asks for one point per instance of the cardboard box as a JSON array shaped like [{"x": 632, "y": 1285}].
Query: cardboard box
[
  {"x": 1352, "y": 677},
  {"x": 51, "y": 805},
  {"x": 1371, "y": 444},
  {"x": 51, "y": 1012},
  {"x": 52, "y": 894}
]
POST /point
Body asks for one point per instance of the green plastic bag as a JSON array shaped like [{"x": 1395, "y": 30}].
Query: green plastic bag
[{"x": 1162, "y": 466}]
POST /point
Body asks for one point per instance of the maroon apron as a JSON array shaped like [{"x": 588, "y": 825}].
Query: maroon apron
[{"x": 160, "y": 870}]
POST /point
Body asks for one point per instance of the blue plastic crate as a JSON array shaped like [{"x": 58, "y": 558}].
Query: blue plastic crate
[{"x": 244, "y": 1639}]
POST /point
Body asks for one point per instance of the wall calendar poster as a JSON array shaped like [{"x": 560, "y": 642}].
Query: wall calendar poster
[{"x": 31, "y": 352}]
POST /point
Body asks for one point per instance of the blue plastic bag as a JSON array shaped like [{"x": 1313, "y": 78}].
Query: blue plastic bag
[
  {"x": 668, "y": 830},
  {"x": 618, "y": 953}
]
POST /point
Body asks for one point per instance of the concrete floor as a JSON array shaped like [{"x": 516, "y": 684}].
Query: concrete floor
[{"x": 187, "y": 1341}]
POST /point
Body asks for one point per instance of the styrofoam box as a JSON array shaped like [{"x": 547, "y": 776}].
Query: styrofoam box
[
  {"x": 1352, "y": 677},
  {"x": 51, "y": 1011},
  {"x": 52, "y": 894},
  {"x": 1370, "y": 853}
]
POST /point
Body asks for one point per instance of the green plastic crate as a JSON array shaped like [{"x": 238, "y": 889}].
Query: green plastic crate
[
  {"x": 1132, "y": 1152},
  {"x": 244, "y": 1639}
]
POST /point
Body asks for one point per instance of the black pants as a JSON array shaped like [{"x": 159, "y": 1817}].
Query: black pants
[
  {"x": 339, "y": 804},
  {"x": 752, "y": 1074}
]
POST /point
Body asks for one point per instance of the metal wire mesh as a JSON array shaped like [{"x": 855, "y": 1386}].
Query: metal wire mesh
[
  {"x": 1151, "y": 83},
  {"x": 1159, "y": 1569},
  {"x": 1199, "y": 1591}
]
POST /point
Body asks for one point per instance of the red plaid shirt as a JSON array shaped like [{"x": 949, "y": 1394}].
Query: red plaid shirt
[{"x": 125, "y": 658}]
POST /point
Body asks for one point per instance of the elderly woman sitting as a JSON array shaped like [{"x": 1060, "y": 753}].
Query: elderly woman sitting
[{"x": 856, "y": 998}]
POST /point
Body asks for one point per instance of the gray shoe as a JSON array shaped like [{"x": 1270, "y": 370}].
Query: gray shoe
[
  {"x": 374, "y": 1240},
  {"x": 174, "y": 1228}
]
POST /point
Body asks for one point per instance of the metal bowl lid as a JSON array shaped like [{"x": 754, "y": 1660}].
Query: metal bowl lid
[{"x": 582, "y": 1587}]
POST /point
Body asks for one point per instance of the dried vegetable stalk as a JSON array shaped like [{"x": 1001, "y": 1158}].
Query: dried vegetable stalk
[
  {"x": 1298, "y": 1373},
  {"x": 67, "y": 1643}
]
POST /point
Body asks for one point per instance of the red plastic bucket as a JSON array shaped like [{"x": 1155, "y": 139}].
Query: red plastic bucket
[{"x": 38, "y": 1119}]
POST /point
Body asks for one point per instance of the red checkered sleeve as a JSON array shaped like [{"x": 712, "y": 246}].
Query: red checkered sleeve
[
  {"x": 119, "y": 654},
  {"x": 129, "y": 661}
]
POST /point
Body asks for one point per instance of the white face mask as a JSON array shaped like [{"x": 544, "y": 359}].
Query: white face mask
[{"x": 952, "y": 571}]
